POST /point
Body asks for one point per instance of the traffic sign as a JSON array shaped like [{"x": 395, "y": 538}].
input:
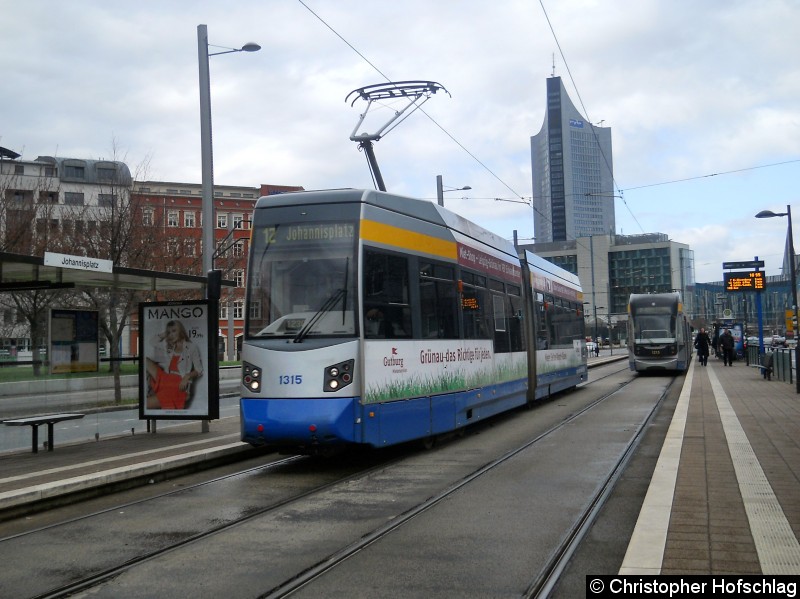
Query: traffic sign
[{"x": 750, "y": 264}]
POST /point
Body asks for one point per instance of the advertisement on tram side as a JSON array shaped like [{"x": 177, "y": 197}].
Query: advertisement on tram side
[{"x": 395, "y": 370}]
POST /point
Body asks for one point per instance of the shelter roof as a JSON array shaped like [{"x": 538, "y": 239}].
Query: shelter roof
[{"x": 20, "y": 272}]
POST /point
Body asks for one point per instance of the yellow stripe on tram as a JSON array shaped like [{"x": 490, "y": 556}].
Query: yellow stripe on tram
[{"x": 409, "y": 240}]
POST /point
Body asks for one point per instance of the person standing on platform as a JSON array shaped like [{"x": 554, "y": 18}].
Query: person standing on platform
[
  {"x": 702, "y": 342},
  {"x": 727, "y": 343}
]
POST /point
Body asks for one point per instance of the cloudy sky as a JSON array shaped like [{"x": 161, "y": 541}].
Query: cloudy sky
[{"x": 703, "y": 99}]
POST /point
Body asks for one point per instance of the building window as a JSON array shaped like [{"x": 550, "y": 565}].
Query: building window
[
  {"x": 239, "y": 276},
  {"x": 188, "y": 219},
  {"x": 106, "y": 174},
  {"x": 19, "y": 169},
  {"x": 173, "y": 246},
  {"x": 189, "y": 246},
  {"x": 147, "y": 217},
  {"x": 238, "y": 248},
  {"x": 238, "y": 309},
  {"x": 74, "y": 172},
  {"x": 255, "y": 310},
  {"x": 49, "y": 171},
  {"x": 238, "y": 221},
  {"x": 48, "y": 197},
  {"x": 222, "y": 221},
  {"x": 106, "y": 200},
  {"x": 73, "y": 198},
  {"x": 172, "y": 218}
]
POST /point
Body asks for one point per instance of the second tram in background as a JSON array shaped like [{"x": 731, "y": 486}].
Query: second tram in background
[
  {"x": 659, "y": 335},
  {"x": 375, "y": 319}
]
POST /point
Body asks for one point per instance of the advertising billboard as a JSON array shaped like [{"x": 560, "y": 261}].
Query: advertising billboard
[
  {"x": 178, "y": 370},
  {"x": 73, "y": 341}
]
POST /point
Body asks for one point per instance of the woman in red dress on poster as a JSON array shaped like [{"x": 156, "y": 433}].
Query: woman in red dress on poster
[{"x": 172, "y": 367}]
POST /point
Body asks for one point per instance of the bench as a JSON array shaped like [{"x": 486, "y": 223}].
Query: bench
[{"x": 35, "y": 421}]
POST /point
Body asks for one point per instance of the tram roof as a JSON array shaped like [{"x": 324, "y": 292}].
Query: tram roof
[
  {"x": 21, "y": 272},
  {"x": 424, "y": 210}
]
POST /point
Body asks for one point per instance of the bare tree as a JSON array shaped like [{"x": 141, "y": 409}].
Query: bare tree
[
  {"x": 29, "y": 225},
  {"x": 118, "y": 235}
]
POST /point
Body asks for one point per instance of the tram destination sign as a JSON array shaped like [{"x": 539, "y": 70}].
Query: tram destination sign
[
  {"x": 745, "y": 281},
  {"x": 739, "y": 265}
]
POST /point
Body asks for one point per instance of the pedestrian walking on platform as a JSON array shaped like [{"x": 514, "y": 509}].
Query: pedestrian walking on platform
[
  {"x": 702, "y": 343},
  {"x": 727, "y": 343}
]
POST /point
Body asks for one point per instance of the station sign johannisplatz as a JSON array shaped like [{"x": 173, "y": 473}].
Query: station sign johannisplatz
[{"x": 78, "y": 262}]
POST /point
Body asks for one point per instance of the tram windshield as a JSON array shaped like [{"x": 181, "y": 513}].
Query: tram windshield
[
  {"x": 654, "y": 324},
  {"x": 301, "y": 281}
]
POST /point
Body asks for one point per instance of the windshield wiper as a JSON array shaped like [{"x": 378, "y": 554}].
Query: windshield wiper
[{"x": 329, "y": 304}]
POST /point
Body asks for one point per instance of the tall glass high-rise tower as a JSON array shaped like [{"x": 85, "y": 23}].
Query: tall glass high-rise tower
[{"x": 573, "y": 189}]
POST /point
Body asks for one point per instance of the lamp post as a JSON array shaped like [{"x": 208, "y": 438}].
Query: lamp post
[
  {"x": 793, "y": 283},
  {"x": 440, "y": 190},
  {"x": 205, "y": 140}
]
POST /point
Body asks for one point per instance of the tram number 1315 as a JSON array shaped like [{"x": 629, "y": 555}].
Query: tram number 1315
[{"x": 290, "y": 379}]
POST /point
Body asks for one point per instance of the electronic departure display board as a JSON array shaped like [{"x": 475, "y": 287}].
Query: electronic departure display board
[{"x": 745, "y": 281}]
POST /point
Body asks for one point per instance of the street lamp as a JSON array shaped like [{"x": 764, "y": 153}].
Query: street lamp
[
  {"x": 440, "y": 190},
  {"x": 793, "y": 283},
  {"x": 205, "y": 140}
]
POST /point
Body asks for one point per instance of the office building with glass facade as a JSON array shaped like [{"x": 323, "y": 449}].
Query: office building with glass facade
[{"x": 572, "y": 170}]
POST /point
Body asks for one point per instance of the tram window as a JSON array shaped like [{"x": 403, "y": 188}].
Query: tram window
[
  {"x": 542, "y": 337},
  {"x": 436, "y": 271},
  {"x": 495, "y": 285},
  {"x": 474, "y": 313},
  {"x": 387, "y": 312},
  {"x": 499, "y": 307},
  {"x": 515, "y": 324},
  {"x": 501, "y": 311},
  {"x": 565, "y": 325},
  {"x": 438, "y": 301},
  {"x": 385, "y": 277}
]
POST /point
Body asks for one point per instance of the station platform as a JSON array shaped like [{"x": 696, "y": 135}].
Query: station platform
[
  {"x": 725, "y": 494},
  {"x": 724, "y": 497},
  {"x": 32, "y": 481}
]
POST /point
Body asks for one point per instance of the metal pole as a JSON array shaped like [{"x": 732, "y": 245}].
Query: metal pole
[
  {"x": 231, "y": 341},
  {"x": 594, "y": 299},
  {"x": 207, "y": 175},
  {"x": 794, "y": 299},
  {"x": 439, "y": 190},
  {"x": 373, "y": 164},
  {"x": 206, "y": 150}
]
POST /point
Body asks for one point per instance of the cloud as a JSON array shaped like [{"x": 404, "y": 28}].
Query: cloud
[{"x": 689, "y": 89}]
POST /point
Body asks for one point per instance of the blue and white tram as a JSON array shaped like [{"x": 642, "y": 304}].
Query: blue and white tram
[
  {"x": 659, "y": 335},
  {"x": 375, "y": 319}
]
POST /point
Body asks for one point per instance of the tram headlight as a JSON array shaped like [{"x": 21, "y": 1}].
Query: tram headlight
[
  {"x": 251, "y": 376},
  {"x": 338, "y": 376}
]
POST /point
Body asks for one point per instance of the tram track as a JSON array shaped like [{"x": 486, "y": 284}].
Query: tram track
[
  {"x": 538, "y": 586},
  {"x": 86, "y": 582},
  {"x": 543, "y": 584},
  {"x": 544, "y": 581}
]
